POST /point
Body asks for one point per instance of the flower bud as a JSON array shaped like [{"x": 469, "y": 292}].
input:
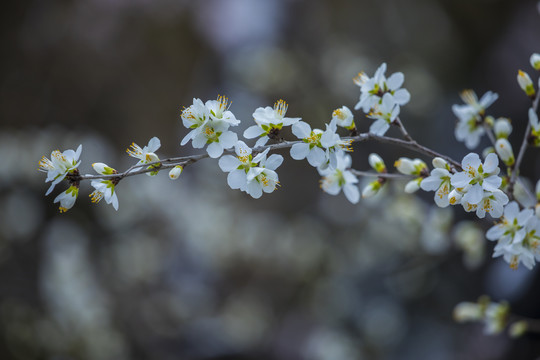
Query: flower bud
[
  {"x": 489, "y": 120},
  {"x": 377, "y": 163},
  {"x": 467, "y": 311},
  {"x": 344, "y": 117},
  {"x": 496, "y": 317},
  {"x": 371, "y": 189},
  {"x": 410, "y": 167},
  {"x": 413, "y": 185},
  {"x": 405, "y": 166},
  {"x": 103, "y": 169},
  {"x": 518, "y": 328},
  {"x": 440, "y": 163},
  {"x": 487, "y": 151},
  {"x": 535, "y": 127},
  {"x": 175, "y": 172},
  {"x": 502, "y": 128},
  {"x": 525, "y": 83},
  {"x": 505, "y": 152},
  {"x": 535, "y": 61}
]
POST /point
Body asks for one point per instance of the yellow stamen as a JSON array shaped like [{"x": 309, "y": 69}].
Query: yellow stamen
[{"x": 280, "y": 107}]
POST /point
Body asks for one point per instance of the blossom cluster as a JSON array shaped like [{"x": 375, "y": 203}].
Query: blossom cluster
[
  {"x": 381, "y": 98},
  {"x": 476, "y": 183}
]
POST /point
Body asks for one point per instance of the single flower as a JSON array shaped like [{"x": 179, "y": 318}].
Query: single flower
[
  {"x": 60, "y": 164},
  {"x": 338, "y": 178},
  {"x": 67, "y": 198},
  {"x": 269, "y": 122}
]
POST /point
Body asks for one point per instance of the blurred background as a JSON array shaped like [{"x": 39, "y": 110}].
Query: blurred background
[{"x": 194, "y": 270}]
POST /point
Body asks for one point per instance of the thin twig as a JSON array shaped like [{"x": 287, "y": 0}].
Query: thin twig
[
  {"x": 169, "y": 163},
  {"x": 522, "y": 149},
  {"x": 380, "y": 175},
  {"x": 404, "y": 131}
]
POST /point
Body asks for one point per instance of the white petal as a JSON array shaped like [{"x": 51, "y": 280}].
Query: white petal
[
  {"x": 299, "y": 151},
  {"x": 301, "y": 130},
  {"x": 253, "y": 132},
  {"x": 402, "y": 97},
  {"x": 273, "y": 161},
  {"x": 495, "y": 232},
  {"x": 395, "y": 81},
  {"x": 352, "y": 193},
  {"x": 154, "y": 144},
  {"x": 460, "y": 179},
  {"x": 474, "y": 195},
  {"x": 379, "y": 127},
  {"x": 471, "y": 159},
  {"x": 187, "y": 137},
  {"x": 242, "y": 149},
  {"x": 253, "y": 173},
  {"x": 228, "y": 163},
  {"x": 199, "y": 140},
  {"x": 237, "y": 179},
  {"x": 214, "y": 150},
  {"x": 114, "y": 200},
  {"x": 254, "y": 189},
  {"x": 491, "y": 163},
  {"x": 431, "y": 183},
  {"x": 492, "y": 183},
  {"x": 316, "y": 157},
  {"x": 228, "y": 139},
  {"x": 262, "y": 141}
]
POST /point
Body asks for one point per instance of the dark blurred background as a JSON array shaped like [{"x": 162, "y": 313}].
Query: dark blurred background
[{"x": 194, "y": 270}]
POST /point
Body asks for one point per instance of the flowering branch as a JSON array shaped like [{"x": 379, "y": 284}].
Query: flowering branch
[{"x": 472, "y": 183}]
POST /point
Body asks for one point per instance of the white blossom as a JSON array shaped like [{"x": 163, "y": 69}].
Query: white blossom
[
  {"x": 335, "y": 179},
  {"x": 469, "y": 128},
  {"x": 492, "y": 202},
  {"x": 194, "y": 116},
  {"x": 67, "y": 198},
  {"x": 252, "y": 175},
  {"x": 477, "y": 177},
  {"x": 384, "y": 114},
  {"x": 344, "y": 117},
  {"x": 210, "y": 124},
  {"x": 438, "y": 181},
  {"x": 104, "y": 189},
  {"x": 219, "y": 111},
  {"x": 269, "y": 121},
  {"x": 333, "y": 144},
  {"x": 60, "y": 164},
  {"x": 514, "y": 234},
  {"x": 372, "y": 90},
  {"x": 310, "y": 147},
  {"x": 146, "y": 154}
]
